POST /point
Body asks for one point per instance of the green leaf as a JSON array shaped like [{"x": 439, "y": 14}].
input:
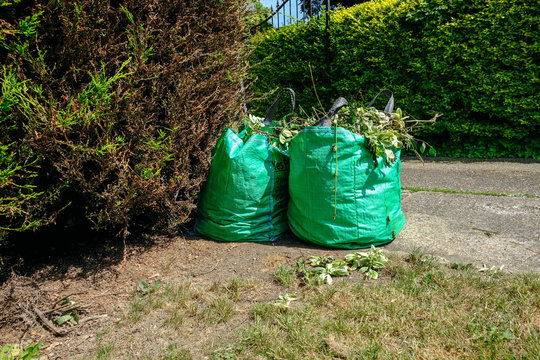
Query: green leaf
[
  {"x": 329, "y": 279},
  {"x": 31, "y": 351},
  {"x": 339, "y": 263},
  {"x": 143, "y": 285},
  {"x": 372, "y": 274},
  {"x": 423, "y": 147},
  {"x": 339, "y": 272},
  {"x": 287, "y": 133},
  {"x": 75, "y": 318},
  {"x": 64, "y": 319},
  {"x": 9, "y": 351},
  {"x": 350, "y": 258},
  {"x": 156, "y": 286}
]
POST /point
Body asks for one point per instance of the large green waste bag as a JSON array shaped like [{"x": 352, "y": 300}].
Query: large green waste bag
[
  {"x": 246, "y": 194},
  {"x": 367, "y": 201}
]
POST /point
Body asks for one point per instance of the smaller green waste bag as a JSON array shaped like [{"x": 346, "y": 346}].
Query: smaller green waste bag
[
  {"x": 246, "y": 194},
  {"x": 368, "y": 200}
]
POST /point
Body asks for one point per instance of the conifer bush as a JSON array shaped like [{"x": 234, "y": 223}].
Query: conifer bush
[{"x": 109, "y": 109}]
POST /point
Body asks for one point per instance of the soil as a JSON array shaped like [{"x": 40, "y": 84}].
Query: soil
[{"x": 103, "y": 280}]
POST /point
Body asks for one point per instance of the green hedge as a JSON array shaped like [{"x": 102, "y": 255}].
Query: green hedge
[
  {"x": 109, "y": 109},
  {"x": 475, "y": 61}
]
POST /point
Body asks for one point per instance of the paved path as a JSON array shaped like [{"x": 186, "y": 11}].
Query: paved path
[{"x": 456, "y": 219}]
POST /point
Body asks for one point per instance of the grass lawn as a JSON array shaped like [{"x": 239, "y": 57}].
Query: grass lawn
[{"x": 416, "y": 309}]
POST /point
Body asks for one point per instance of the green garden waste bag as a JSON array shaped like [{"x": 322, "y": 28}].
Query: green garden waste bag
[
  {"x": 367, "y": 204},
  {"x": 246, "y": 194}
]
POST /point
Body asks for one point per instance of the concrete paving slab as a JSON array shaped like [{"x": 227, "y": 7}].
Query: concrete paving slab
[
  {"x": 490, "y": 230},
  {"x": 479, "y": 176}
]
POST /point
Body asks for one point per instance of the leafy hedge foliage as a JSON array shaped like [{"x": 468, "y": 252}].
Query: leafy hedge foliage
[
  {"x": 475, "y": 61},
  {"x": 108, "y": 109}
]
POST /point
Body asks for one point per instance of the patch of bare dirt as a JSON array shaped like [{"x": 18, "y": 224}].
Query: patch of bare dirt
[{"x": 100, "y": 283}]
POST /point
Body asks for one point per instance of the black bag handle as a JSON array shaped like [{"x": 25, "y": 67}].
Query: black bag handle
[
  {"x": 390, "y": 105},
  {"x": 325, "y": 120},
  {"x": 272, "y": 110}
]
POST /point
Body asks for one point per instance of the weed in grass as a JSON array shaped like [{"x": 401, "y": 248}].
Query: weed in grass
[
  {"x": 105, "y": 351},
  {"x": 146, "y": 289},
  {"x": 174, "y": 353},
  {"x": 285, "y": 300},
  {"x": 219, "y": 310},
  {"x": 492, "y": 271},
  {"x": 285, "y": 275}
]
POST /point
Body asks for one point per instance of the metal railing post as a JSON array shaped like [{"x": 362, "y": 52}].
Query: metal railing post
[
  {"x": 327, "y": 15},
  {"x": 277, "y": 9},
  {"x": 284, "y": 20},
  {"x": 290, "y": 12}
]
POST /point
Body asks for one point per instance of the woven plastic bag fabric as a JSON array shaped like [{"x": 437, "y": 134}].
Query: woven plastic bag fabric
[
  {"x": 246, "y": 194},
  {"x": 366, "y": 202}
]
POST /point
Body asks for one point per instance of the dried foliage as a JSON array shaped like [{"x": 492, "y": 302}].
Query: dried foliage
[{"x": 109, "y": 110}]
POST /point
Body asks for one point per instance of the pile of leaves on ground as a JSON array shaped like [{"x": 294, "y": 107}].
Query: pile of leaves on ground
[
  {"x": 323, "y": 268},
  {"x": 108, "y": 109}
]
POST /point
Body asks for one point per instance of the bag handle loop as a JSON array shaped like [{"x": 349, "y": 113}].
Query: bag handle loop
[
  {"x": 389, "y": 105},
  {"x": 272, "y": 110},
  {"x": 325, "y": 120}
]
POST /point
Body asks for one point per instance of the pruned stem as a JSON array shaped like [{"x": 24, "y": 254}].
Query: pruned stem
[{"x": 336, "y": 173}]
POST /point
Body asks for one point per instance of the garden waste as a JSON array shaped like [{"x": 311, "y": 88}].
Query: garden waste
[
  {"x": 246, "y": 194},
  {"x": 344, "y": 186}
]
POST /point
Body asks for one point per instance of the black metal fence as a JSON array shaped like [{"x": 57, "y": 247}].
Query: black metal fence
[{"x": 288, "y": 12}]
